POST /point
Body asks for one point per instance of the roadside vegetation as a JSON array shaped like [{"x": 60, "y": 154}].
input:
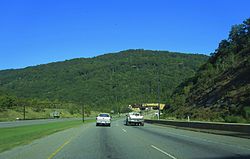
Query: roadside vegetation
[
  {"x": 47, "y": 113},
  {"x": 220, "y": 90},
  {"x": 12, "y": 108}
]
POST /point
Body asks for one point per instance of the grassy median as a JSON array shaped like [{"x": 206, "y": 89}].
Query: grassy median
[{"x": 15, "y": 136}]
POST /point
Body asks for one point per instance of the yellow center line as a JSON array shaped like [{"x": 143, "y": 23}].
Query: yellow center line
[
  {"x": 63, "y": 145},
  {"x": 59, "y": 149}
]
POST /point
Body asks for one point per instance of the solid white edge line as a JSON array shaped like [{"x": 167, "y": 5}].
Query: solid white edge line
[{"x": 163, "y": 152}]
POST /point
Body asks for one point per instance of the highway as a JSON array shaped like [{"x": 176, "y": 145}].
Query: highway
[{"x": 131, "y": 142}]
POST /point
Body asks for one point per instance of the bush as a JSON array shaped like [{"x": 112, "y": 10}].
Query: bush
[
  {"x": 235, "y": 119},
  {"x": 246, "y": 112}
]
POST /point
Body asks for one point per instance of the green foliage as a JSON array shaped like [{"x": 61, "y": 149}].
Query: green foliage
[
  {"x": 13, "y": 107},
  {"x": 222, "y": 84},
  {"x": 107, "y": 82},
  {"x": 246, "y": 112},
  {"x": 235, "y": 119},
  {"x": 7, "y": 102}
]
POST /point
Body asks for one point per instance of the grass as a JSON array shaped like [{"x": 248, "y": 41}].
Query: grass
[
  {"x": 12, "y": 114},
  {"x": 15, "y": 136}
]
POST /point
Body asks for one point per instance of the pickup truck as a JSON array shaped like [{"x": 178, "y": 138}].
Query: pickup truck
[
  {"x": 134, "y": 118},
  {"x": 103, "y": 119}
]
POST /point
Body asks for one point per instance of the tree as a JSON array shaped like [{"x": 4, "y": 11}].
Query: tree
[{"x": 7, "y": 102}]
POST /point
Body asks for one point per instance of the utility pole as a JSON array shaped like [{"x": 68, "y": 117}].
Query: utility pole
[
  {"x": 158, "y": 102},
  {"x": 83, "y": 113},
  {"x": 117, "y": 107},
  {"x": 158, "y": 92},
  {"x": 24, "y": 111}
]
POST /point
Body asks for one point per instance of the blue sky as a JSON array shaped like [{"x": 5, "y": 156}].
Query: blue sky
[{"x": 36, "y": 32}]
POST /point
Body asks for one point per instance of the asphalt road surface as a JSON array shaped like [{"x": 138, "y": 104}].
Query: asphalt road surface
[{"x": 131, "y": 142}]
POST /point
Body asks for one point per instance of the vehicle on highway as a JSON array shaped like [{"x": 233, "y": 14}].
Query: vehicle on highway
[
  {"x": 103, "y": 119},
  {"x": 55, "y": 114},
  {"x": 134, "y": 118}
]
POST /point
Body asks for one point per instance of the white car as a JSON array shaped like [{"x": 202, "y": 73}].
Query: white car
[{"x": 103, "y": 119}]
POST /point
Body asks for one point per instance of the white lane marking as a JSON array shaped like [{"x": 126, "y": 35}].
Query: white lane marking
[
  {"x": 163, "y": 152},
  {"x": 209, "y": 141},
  {"x": 124, "y": 130}
]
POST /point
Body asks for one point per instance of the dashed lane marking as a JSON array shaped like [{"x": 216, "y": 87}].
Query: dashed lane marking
[
  {"x": 206, "y": 140},
  {"x": 124, "y": 130},
  {"x": 163, "y": 152}
]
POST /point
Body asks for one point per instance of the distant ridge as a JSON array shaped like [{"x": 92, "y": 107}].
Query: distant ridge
[{"x": 106, "y": 81}]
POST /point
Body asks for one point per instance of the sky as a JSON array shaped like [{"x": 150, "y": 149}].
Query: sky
[{"x": 34, "y": 32}]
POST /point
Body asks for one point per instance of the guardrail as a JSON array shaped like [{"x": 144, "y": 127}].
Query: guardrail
[{"x": 232, "y": 127}]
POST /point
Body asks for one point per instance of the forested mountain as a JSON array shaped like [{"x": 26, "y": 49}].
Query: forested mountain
[
  {"x": 107, "y": 81},
  {"x": 220, "y": 89}
]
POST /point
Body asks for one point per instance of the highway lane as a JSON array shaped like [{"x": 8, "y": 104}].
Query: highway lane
[{"x": 128, "y": 142}]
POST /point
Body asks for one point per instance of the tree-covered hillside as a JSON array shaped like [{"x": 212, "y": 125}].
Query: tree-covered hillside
[
  {"x": 107, "y": 81},
  {"x": 220, "y": 89}
]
